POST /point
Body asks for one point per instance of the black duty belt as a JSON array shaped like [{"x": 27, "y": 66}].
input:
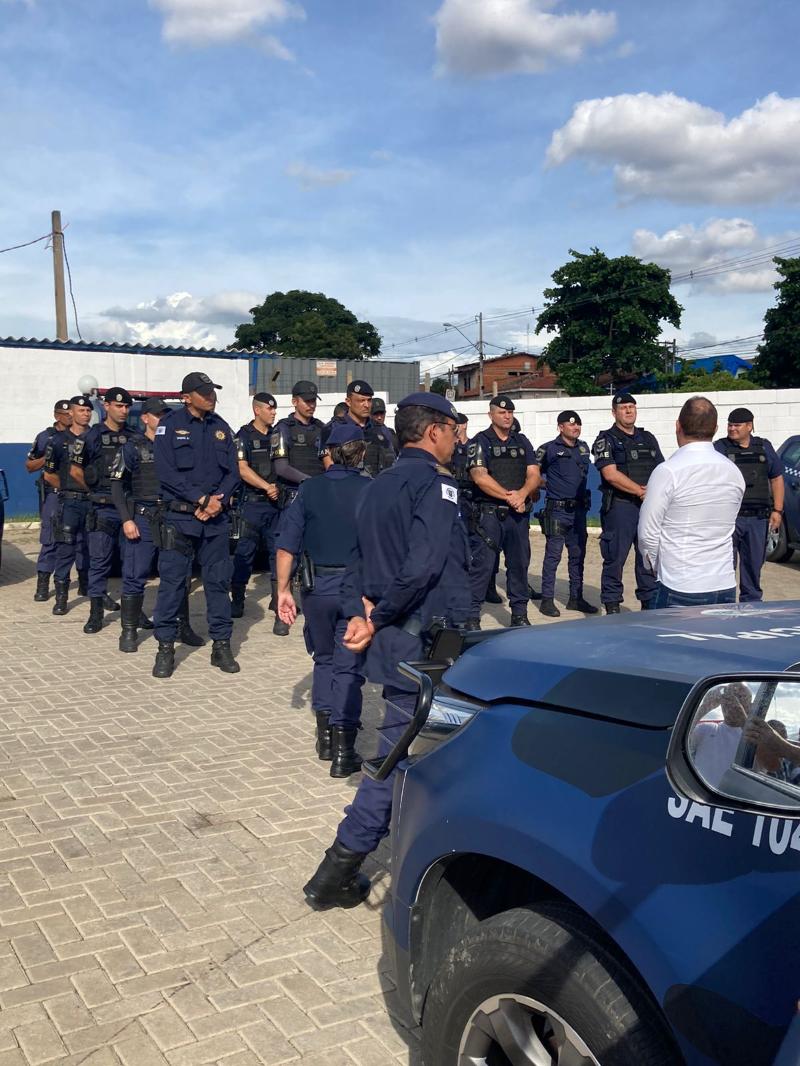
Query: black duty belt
[
  {"x": 101, "y": 498},
  {"x": 68, "y": 494},
  {"x": 328, "y": 569},
  {"x": 182, "y": 506},
  {"x": 562, "y": 505},
  {"x": 413, "y": 627},
  {"x": 755, "y": 512},
  {"x": 256, "y": 497},
  {"x": 146, "y": 507}
]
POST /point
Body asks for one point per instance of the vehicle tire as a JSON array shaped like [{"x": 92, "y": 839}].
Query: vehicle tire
[
  {"x": 778, "y": 550},
  {"x": 530, "y": 983}
]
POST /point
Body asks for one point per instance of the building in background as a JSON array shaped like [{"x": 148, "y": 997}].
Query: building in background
[
  {"x": 516, "y": 374},
  {"x": 393, "y": 379}
]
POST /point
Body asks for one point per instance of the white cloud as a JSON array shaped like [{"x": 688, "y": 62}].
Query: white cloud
[
  {"x": 713, "y": 245},
  {"x": 670, "y": 147},
  {"x": 479, "y": 37},
  {"x": 173, "y": 332},
  {"x": 227, "y": 309},
  {"x": 311, "y": 177},
  {"x": 209, "y": 22}
]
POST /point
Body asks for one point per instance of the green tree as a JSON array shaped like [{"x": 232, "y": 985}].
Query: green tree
[
  {"x": 440, "y": 385},
  {"x": 308, "y": 325},
  {"x": 778, "y": 362},
  {"x": 606, "y": 315},
  {"x": 696, "y": 379}
]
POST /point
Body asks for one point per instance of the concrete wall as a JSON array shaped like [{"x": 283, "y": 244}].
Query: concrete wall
[{"x": 394, "y": 379}]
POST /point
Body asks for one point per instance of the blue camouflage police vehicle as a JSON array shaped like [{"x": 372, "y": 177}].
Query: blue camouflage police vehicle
[
  {"x": 782, "y": 544},
  {"x": 596, "y": 844}
]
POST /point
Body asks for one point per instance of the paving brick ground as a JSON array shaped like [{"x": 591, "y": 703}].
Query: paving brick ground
[{"x": 154, "y": 838}]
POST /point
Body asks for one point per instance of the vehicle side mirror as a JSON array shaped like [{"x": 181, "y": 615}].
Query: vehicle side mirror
[{"x": 736, "y": 744}]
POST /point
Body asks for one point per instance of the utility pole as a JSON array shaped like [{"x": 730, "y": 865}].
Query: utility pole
[
  {"x": 58, "y": 276},
  {"x": 480, "y": 354}
]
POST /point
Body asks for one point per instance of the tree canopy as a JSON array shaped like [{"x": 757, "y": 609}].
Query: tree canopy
[
  {"x": 696, "y": 379},
  {"x": 778, "y": 362},
  {"x": 606, "y": 314},
  {"x": 308, "y": 325}
]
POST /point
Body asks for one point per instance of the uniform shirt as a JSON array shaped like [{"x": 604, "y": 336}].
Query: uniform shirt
[
  {"x": 609, "y": 447},
  {"x": 39, "y": 450},
  {"x": 459, "y": 464},
  {"x": 774, "y": 461},
  {"x": 566, "y": 467},
  {"x": 340, "y": 518},
  {"x": 281, "y": 444},
  {"x": 195, "y": 457},
  {"x": 687, "y": 519},
  {"x": 126, "y": 464},
  {"x": 481, "y": 449},
  {"x": 63, "y": 449}
]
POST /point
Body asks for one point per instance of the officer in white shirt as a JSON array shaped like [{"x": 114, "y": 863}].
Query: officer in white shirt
[{"x": 688, "y": 516}]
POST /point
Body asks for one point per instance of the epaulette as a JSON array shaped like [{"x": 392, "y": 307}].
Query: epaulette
[{"x": 444, "y": 470}]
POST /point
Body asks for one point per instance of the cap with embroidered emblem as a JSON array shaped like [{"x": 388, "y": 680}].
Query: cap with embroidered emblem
[
  {"x": 569, "y": 416},
  {"x": 197, "y": 381},
  {"x": 361, "y": 388},
  {"x": 61, "y": 405},
  {"x": 265, "y": 397},
  {"x": 378, "y": 406},
  {"x": 432, "y": 400},
  {"x": 80, "y": 401},
  {"x": 505, "y": 403},
  {"x": 622, "y": 397},
  {"x": 118, "y": 395},
  {"x": 306, "y": 390}
]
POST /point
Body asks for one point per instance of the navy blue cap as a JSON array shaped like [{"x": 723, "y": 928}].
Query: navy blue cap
[
  {"x": 361, "y": 388},
  {"x": 504, "y": 402},
  {"x": 431, "y": 400},
  {"x": 344, "y": 432},
  {"x": 199, "y": 382},
  {"x": 569, "y": 416},
  {"x": 461, "y": 419},
  {"x": 740, "y": 414},
  {"x": 118, "y": 395},
  {"x": 265, "y": 397},
  {"x": 306, "y": 390},
  {"x": 61, "y": 405},
  {"x": 623, "y": 397},
  {"x": 80, "y": 401},
  {"x": 154, "y": 405}
]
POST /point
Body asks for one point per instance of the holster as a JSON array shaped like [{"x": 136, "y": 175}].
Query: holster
[
  {"x": 306, "y": 572},
  {"x": 102, "y": 524},
  {"x": 587, "y": 500},
  {"x": 168, "y": 538},
  {"x": 41, "y": 491},
  {"x": 62, "y": 534},
  {"x": 91, "y": 521},
  {"x": 606, "y": 501}
]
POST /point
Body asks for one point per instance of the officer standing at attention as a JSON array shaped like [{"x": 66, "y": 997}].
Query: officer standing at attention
[
  {"x": 259, "y": 494},
  {"x": 103, "y": 525},
  {"x": 48, "y": 500},
  {"x": 409, "y": 573},
  {"x": 626, "y": 456},
  {"x": 297, "y": 454},
  {"x": 378, "y": 417},
  {"x": 321, "y": 523},
  {"x": 762, "y": 505},
  {"x": 197, "y": 466},
  {"x": 136, "y": 492},
  {"x": 565, "y": 462},
  {"x": 501, "y": 465},
  {"x": 380, "y": 451},
  {"x": 69, "y": 520}
]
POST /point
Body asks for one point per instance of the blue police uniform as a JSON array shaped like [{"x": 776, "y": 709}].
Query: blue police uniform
[
  {"x": 636, "y": 455},
  {"x": 566, "y": 467},
  {"x": 258, "y": 513},
  {"x": 758, "y": 463},
  {"x": 296, "y": 450},
  {"x": 136, "y": 492},
  {"x": 195, "y": 458},
  {"x": 103, "y": 521},
  {"x": 69, "y": 520},
  {"x": 496, "y": 526},
  {"x": 381, "y": 452},
  {"x": 48, "y": 504}
]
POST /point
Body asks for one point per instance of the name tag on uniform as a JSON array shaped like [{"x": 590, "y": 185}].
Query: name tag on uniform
[{"x": 450, "y": 492}]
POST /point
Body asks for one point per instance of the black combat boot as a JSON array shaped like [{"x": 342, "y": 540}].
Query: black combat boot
[
  {"x": 346, "y": 759},
  {"x": 338, "y": 881},
  {"x": 184, "y": 632},
  {"x": 533, "y": 594},
  {"x": 578, "y": 603},
  {"x": 109, "y": 604},
  {"x": 472, "y": 625},
  {"x": 279, "y": 627},
  {"x": 144, "y": 621},
  {"x": 611, "y": 608},
  {"x": 95, "y": 623},
  {"x": 492, "y": 595},
  {"x": 518, "y": 620},
  {"x": 324, "y": 748},
  {"x": 165, "y": 659},
  {"x": 83, "y": 582},
  {"x": 62, "y": 591},
  {"x": 237, "y": 600},
  {"x": 548, "y": 607},
  {"x": 42, "y": 593},
  {"x": 129, "y": 619},
  {"x": 222, "y": 656}
]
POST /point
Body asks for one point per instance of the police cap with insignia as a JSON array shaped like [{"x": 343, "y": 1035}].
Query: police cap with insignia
[
  {"x": 80, "y": 401},
  {"x": 265, "y": 397},
  {"x": 432, "y": 400},
  {"x": 503, "y": 402},
  {"x": 378, "y": 406},
  {"x": 197, "y": 381},
  {"x": 569, "y": 416},
  {"x": 154, "y": 405},
  {"x": 622, "y": 397},
  {"x": 61, "y": 405},
  {"x": 118, "y": 395},
  {"x": 361, "y": 388},
  {"x": 344, "y": 432},
  {"x": 306, "y": 390},
  {"x": 740, "y": 414},
  {"x": 461, "y": 419}
]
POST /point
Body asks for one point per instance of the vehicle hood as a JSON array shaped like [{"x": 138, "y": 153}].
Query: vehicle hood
[{"x": 633, "y": 667}]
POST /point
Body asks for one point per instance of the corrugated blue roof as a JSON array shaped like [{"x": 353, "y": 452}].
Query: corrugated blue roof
[{"x": 134, "y": 349}]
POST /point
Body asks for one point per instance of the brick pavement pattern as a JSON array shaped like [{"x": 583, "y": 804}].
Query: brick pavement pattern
[{"x": 154, "y": 838}]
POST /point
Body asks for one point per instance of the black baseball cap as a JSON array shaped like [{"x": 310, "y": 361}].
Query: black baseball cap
[
  {"x": 461, "y": 420},
  {"x": 306, "y": 390},
  {"x": 569, "y": 416},
  {"x": 502, "y": 401},
  {"x": 197, "y": 381},
  {"x": 61, "y": 405},
  {"x": 740, "y": 414},
  {"x": 118, "y": 395},
  {"x": 361, "y": 388},
  {"x": 80, "y": 401},
  {"x": 154, "y": 405},
  {"x": 378, "y": 406},
  {"x": 265, "y": 397},
  {"x": 622, "y": 397}
]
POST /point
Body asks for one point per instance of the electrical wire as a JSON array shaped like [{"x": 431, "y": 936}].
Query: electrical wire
[
  {"x": 26, "y": 244},
  {"x": 71, "y": 293}
]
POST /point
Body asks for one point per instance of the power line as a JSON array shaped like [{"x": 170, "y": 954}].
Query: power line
[
  {"x": 26, "y": 244},
  {"x": 71, "y": 293}
]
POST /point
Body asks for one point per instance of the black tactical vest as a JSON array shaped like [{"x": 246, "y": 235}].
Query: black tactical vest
[
  {"x": 257, "y": 452},
  {"x": 380, "y": 453},
  {"x": 66, "y": 481},
  {"x": 460, "y": 470},
  {"x": 506, "y": 462},
  {"x": 145, "y": 486},
  {"x": 752, "y": 463},
  {"x": 641, "y": 458},
  {"x": 98, "y": 474},
  {"x": 304, "y": 448}
]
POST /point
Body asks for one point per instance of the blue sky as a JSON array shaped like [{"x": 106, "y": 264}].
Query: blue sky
[{"x": 420, "y": 161}]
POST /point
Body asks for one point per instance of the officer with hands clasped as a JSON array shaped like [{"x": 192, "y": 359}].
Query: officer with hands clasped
[
  {"x": 626, "y": 456},
  {"x": 258, "y": 510},
  {"x": 565, "y": 462},
  {"x": 136, "y": 492},
  {"x": 762, "y": 505},
  {"x": 320, "y": 526},
  {"x": 501, "y": 465},
  {"x": 198, "y": 469},
  {"x": 409, "y": 575},
  {"x": 69, "y": 521},
  {"x": 48, "y": 500}
]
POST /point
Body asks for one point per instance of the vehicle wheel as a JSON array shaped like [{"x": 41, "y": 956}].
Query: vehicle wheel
[
  {"x": 778, "y": 550},
  {"x": 537, "y": 986}
]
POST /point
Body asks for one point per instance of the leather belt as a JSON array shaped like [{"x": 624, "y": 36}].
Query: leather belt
[
  {"x": 182, "y": 507},
  {"x": 329, "y": 569},
  {"x": 68, "y": 494},
  {"x": 562, "y": 505}
]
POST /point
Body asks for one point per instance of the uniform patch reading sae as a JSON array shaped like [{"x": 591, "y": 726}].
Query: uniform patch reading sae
[{"x": 450, "y": 492}]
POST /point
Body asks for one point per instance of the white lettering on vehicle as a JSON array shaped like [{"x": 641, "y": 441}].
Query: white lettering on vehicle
[
  {"x": 782, "y": 835},
  {"x": 753, "y": 634}
]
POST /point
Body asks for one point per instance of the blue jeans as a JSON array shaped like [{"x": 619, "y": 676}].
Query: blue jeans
[{"x": 664, "y": 597}]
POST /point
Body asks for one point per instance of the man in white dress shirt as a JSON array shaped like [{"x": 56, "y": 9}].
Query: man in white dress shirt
[{"x": 688, "y": 516}]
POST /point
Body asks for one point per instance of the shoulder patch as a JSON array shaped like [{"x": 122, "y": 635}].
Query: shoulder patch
[
  {"x": 160, "y": 431},
  {"x": 450, "y": 493},
  {"x": 600, "y": 446}
]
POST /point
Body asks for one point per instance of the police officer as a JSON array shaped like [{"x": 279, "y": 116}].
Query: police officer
[
  {"x": 103, "y": 525},
  {"x": 321, "y": 524},
  {"x": 297, "y": 453},
  {"x": 503, "y": 475},
  {"x": 48, "y": 500},
  {"x": 136, "y": 492},
  {"x": 626, "y": 455},
  {"x": 197, "y": 466},
  {"x": 762, "y": 505},
  {"x": 380, "y": 452},
  {"x": 378, "y": 417},
  {"x": 258, "y": 499},
  {"x": 565, "y": 463},
  {"x": 411, "y": 570},
  {"x": 63, "y": 452}
]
